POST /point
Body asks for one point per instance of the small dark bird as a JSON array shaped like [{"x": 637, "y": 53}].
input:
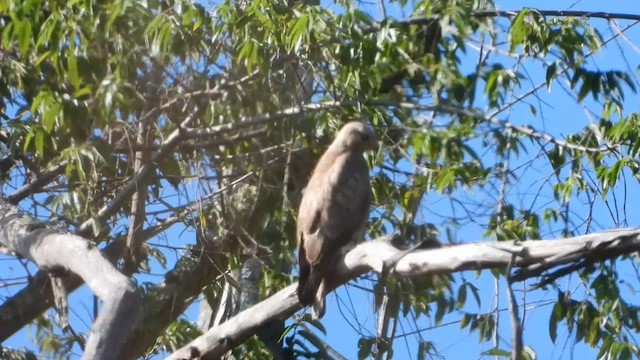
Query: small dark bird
[{"x": 333, "y": 211}]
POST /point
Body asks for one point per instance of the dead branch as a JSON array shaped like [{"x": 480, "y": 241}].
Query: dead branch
[{"x": 372, "y": 256}]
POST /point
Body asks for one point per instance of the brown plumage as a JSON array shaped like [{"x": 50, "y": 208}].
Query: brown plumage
[{"x": 333, "y": 211}]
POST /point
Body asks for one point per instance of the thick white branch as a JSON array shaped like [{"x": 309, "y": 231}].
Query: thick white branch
[
  {"x": 53, "y": 251},
  {"x": 528, "y": 256}
]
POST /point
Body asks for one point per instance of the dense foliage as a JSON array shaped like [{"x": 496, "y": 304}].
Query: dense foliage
[{"x": 224, "y": 108}]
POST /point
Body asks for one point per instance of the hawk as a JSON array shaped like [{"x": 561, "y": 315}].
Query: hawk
[{"x": 333, "y": 211}]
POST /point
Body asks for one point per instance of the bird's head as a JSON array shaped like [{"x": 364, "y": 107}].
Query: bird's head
[{"x": 356, "y": 136}]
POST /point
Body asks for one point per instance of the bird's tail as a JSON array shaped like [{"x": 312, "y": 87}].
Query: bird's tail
[
  {"x": 311, "y": 292},
  {"x": 307, "y": 288}
]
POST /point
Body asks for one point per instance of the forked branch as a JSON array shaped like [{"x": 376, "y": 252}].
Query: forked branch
[{"x": 63, "y": 253}]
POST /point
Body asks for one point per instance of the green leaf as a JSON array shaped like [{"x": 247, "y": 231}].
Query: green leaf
[
  {"x": 298, "y": 33},
  {"x": 553, "y": 322},
  {"x": 528, "y": 353},
  {"x": 498, "y": 352},
  {"x": 45, "y": 35},
  {"x": 518, "y": 30},
  {"x": 315, "y": 323},
  {"x": 285, "y": 332},
  {"x": 440, "y": 309},
  {"x": 625, "y": 354},
  {"x": 476, "y": 293},
  {"x": 557, "y": 159},
  {"x": 188, "y": 16},
  {"x": 115, "y": 10},
  {"x": 424, "y": 347},
  {"x": 72, "y": 63},
  {"x": 605, "y": 347},
  {"x": 249, "y": 53},
  {"x": 170, "y": 168},
  {"x": 446, "y": 178},
  {"x": 95, "y": 227},
  {"x": 39, "y": 141},
  {"x": 466, "y": 320},
  {"x": 24, "y": 38},
  {"x": 462, "y": 295},
  {"x": 50, "y": 116},
  {"x": 242, "y": 21},
  {"x": 199, "y": 18},
  {"x": 551, "y": 73},
  {"x": 82, "y": 175}
]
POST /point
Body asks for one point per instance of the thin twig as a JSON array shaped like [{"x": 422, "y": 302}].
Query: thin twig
[
  {"x": 382, "y": 341},
  {"x": 516, "y": 325},
  {"x": 124, "y": 194}
]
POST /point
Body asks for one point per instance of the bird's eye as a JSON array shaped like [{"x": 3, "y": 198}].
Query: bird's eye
[{"x": 364, "y": 137}]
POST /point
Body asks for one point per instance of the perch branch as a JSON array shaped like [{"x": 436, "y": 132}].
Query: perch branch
[{"x": 372, "y": 256}]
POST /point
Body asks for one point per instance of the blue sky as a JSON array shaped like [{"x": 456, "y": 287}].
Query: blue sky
[{"x": 350, "y": 310}]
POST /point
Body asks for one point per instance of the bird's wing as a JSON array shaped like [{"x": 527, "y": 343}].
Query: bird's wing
[
  {"x": 337, "y": 207},
  {"x": 334, "y": 208}
]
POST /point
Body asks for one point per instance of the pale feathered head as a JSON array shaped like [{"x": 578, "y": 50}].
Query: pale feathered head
[{"x": 355, "y": 136}]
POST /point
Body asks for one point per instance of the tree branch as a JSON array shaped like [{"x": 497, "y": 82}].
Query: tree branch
[
  {"x": 516, "y": 326},
  {"x": 125, "y": 193},
  {"x": 513, "y": 13},
  {"x": 36, "y": 183},
  {"x": 245, "y": 122},
  {"x": 372, "y": 256},
  {"x": 36, "y": 297},
  {"x": 26, "y": 304},
  {"x": 138, "y": 201},
  {"x": 167, "y": 300},
  {"x": 67, "y": 252},
  {"x": 561, "y": 13}
]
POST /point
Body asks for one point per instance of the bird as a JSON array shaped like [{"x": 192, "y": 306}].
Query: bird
[{"x": 333, "y": 211}]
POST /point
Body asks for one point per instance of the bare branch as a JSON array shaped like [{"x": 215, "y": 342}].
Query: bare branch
[
  {"x": 36, "y": 183},
  {"x": 382, "y": 341},
  {"x": 26, "y": 304},
  {"x": 373, "y": 256},
  {"x": 67, "y": 252},
  {"x": 138, "y": 201},
  {"x": 516, "y": 326}
]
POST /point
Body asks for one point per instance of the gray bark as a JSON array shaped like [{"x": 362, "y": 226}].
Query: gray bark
[{"x": 52, "y": 251}]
